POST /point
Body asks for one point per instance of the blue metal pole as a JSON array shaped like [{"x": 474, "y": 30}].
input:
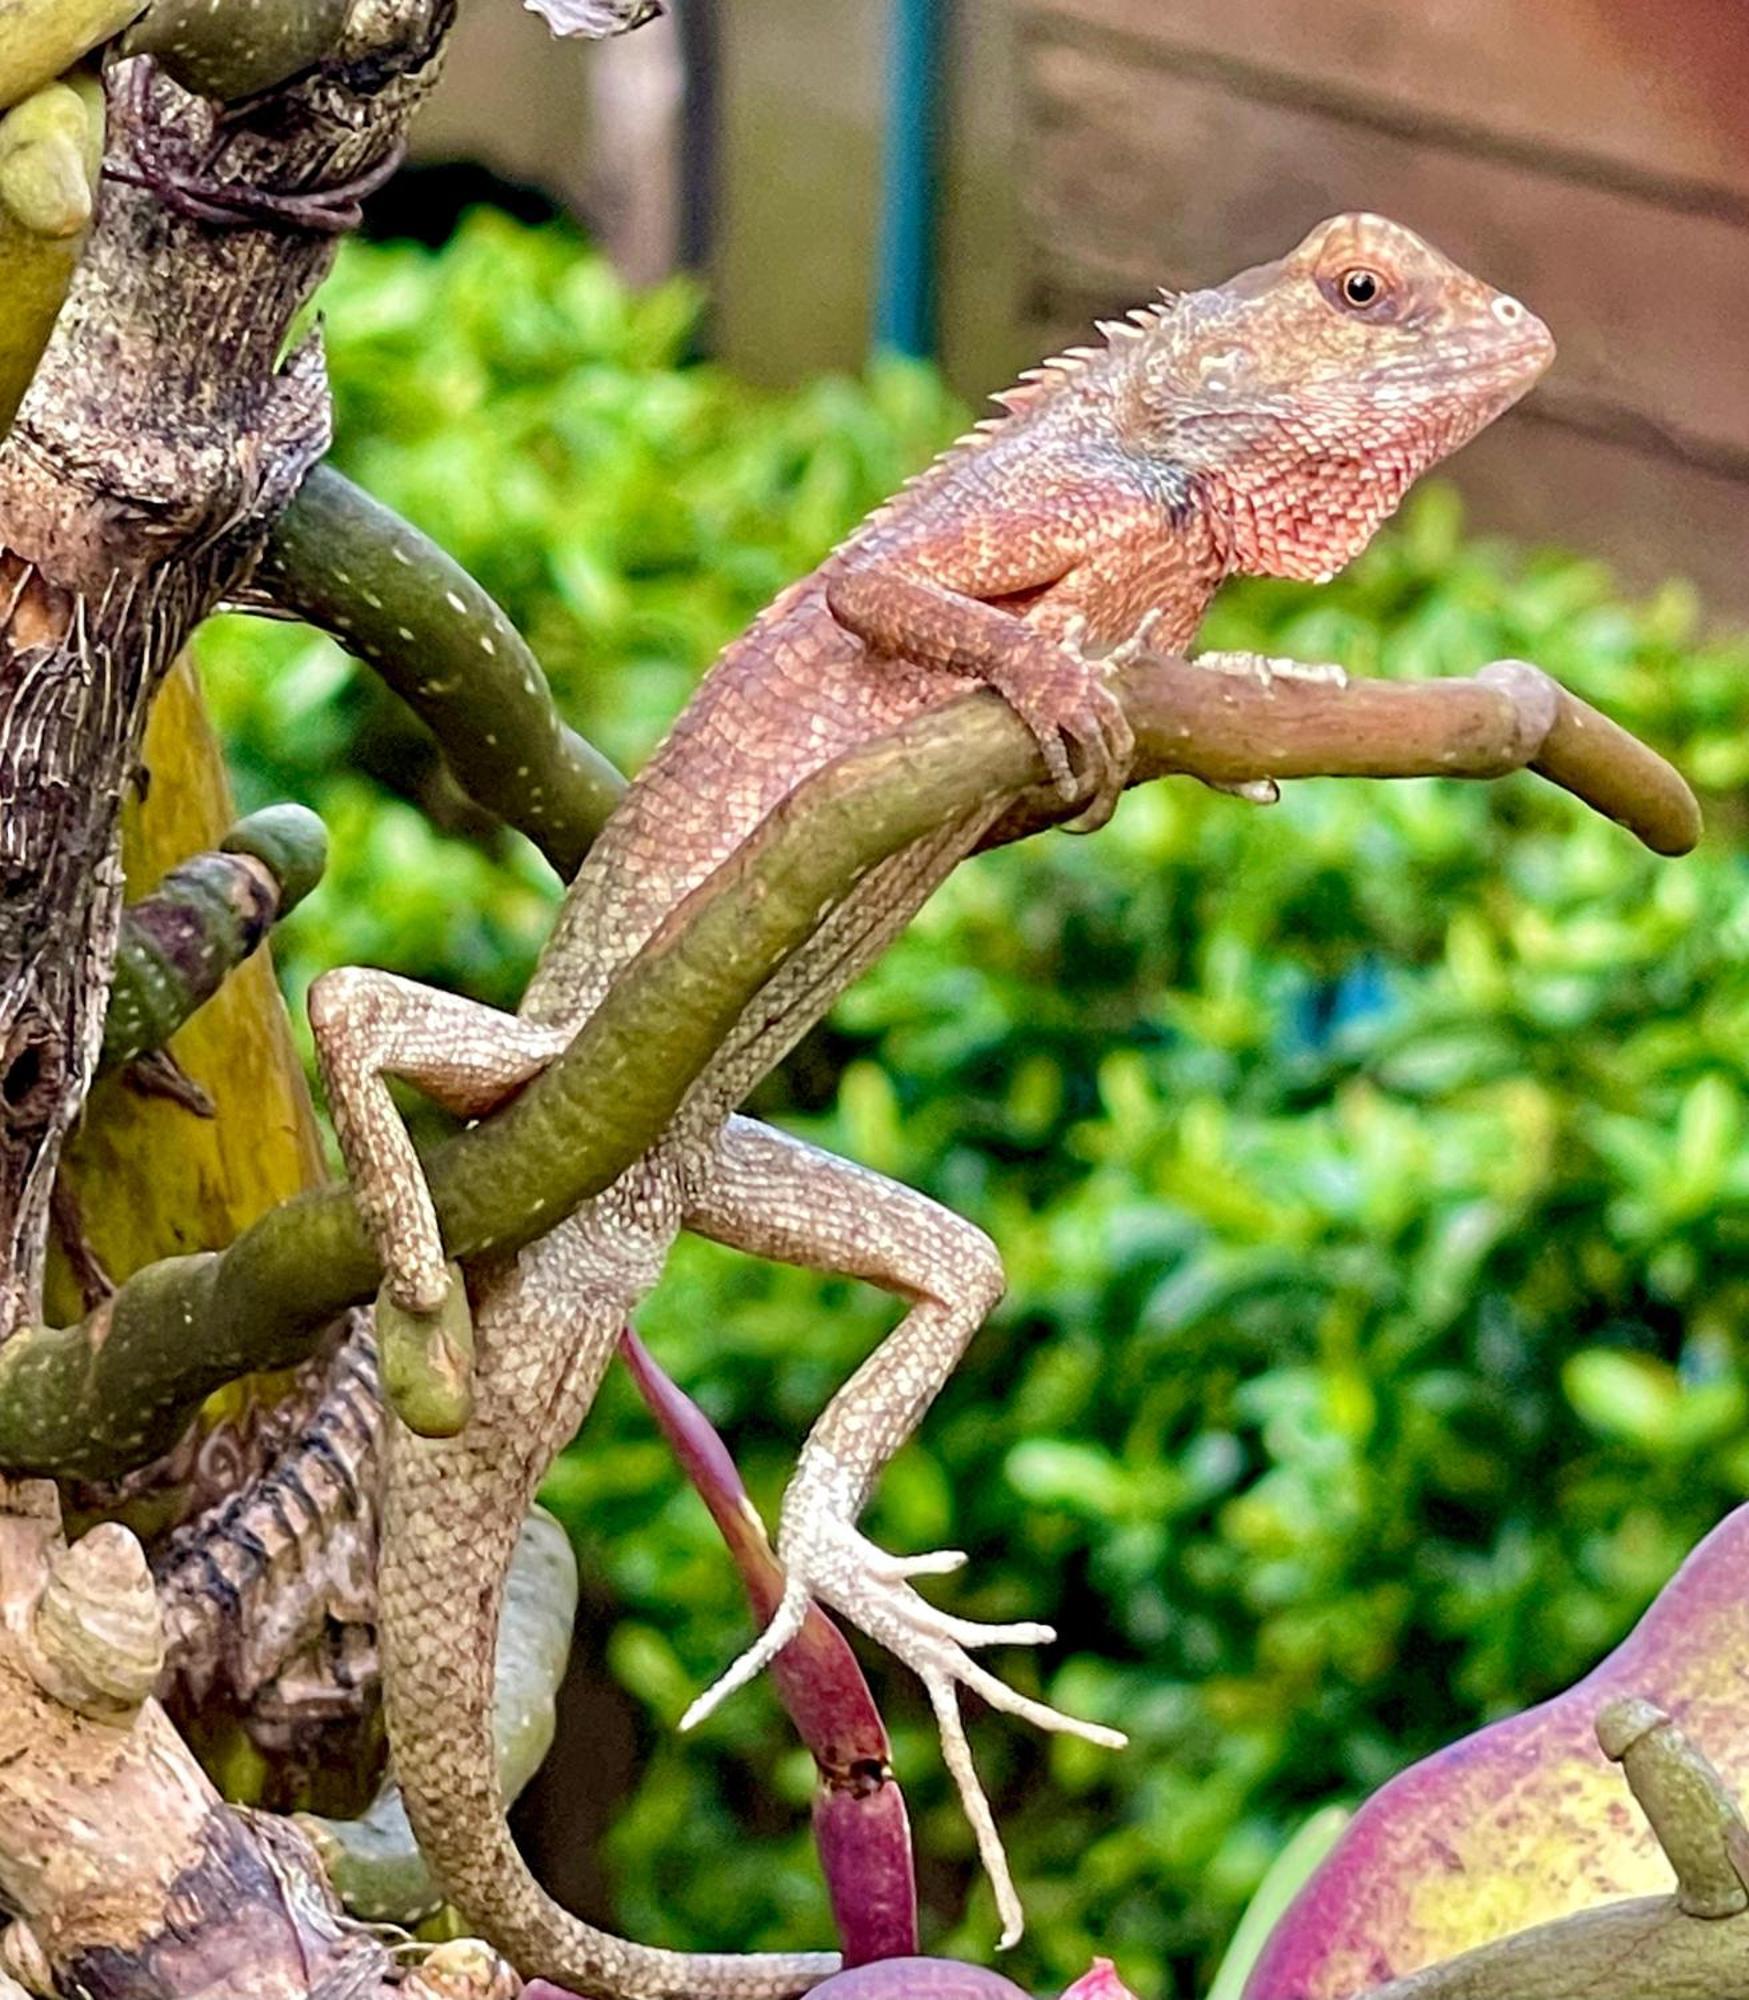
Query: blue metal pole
[{"x": 904, "y": 318}]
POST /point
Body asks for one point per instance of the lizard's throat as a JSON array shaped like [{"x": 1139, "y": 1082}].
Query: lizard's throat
[{"x": 1310, "y": 521}]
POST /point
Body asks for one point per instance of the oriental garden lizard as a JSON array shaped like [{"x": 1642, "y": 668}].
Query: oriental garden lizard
[{"x": 1263, "y": 427}]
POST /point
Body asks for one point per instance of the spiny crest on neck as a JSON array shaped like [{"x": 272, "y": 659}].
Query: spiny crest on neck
[
  {"x": 1035, "y": 388},
  {"x": 1058, "y": 371}
]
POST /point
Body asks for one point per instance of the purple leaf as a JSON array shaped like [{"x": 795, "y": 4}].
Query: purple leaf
[
  {"x": 860, "y": 1823},
  {"x": 1524, "y": 1821}
]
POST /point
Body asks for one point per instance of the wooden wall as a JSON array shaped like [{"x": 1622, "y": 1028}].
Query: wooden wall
[{"x": 1590, "y": 155}]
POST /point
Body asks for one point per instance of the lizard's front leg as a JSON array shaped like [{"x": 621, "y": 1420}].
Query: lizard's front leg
[
  {"x": 766, "y": 1193},
  {"x": 936, "y": 603}
]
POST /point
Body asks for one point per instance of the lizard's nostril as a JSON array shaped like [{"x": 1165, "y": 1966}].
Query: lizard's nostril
[{"x": 1507, "y": 311}]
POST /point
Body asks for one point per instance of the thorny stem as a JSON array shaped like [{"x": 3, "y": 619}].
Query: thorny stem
[
  {"x": 110, "y": 1392},
  {"x": 347, "y": 564}
]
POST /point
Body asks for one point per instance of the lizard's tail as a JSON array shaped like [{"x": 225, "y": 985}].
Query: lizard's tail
[{"x": 452, "y": 1508}]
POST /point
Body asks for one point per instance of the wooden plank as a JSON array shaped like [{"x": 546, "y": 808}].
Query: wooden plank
[
  {"x": 801, "y": 93},
  {"x": 1649, "y": 515},
  {"x": 1654, "y": 91},
  {"x": 1138, "y": 176}
]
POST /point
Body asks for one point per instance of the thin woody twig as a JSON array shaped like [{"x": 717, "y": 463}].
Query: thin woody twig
[{"x": 115, "y": 1389}]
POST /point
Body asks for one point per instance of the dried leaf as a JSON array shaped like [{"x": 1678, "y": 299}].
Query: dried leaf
[{"x": 594, "y": 20}]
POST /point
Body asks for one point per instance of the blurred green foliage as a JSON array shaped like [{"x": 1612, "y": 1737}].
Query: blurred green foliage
[{"x": 1370, "y": 1169}]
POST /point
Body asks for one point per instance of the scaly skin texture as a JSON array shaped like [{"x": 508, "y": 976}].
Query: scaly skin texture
[{"x": 1266, "y": 426}]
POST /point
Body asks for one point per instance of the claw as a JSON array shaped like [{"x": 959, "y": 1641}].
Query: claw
[
  {"x": 1139, "y": 642},
  {"x": 957, "y": 1755},
  {"x": 826, "y": 1558},
  {"x": 937, "y": 1562},
  {"x": 968, "y": 1632},
  {"x": 1112, "y": 749},
  {"x": 1258, "y": 791},
  {"x": 1039, "y": 1713}
]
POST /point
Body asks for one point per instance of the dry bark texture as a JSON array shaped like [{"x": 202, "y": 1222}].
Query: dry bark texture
[
  {"x": 159, "y": 439},
  {"x": 165, "y": 429}
]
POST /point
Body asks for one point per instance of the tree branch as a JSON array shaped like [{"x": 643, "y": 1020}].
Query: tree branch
[
  {"x": 162, "y": 433},
  {"x": 95, "y": 1398},
  {"x": 206, "y": 917},
  {"x": 163, "y": 430},
  {"x": 352, "y": 567}
]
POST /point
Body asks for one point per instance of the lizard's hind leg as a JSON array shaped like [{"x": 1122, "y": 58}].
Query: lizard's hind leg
[
  {"x": 776, "y": 1197},
  {"x": 466, "y": 1058},
  {"x": 370, "y": 1026}
]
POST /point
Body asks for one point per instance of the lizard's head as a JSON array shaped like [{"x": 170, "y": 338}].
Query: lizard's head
[{"x": 1307, "y": 395}]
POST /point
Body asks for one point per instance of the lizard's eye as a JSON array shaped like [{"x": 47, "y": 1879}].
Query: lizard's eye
[{"x": 1360, "y": 288}]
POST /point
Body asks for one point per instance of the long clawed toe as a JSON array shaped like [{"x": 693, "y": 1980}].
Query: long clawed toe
[
  {"x": 872, "y": 1590},
  {"x": 1100, "y": 727},
  {"x": 1110, "y": 745},
  {"x": 936, "y": 1653},
  {"x": 785, "y": 1623}
]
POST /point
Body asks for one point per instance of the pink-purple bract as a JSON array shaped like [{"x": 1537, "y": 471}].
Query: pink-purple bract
[
  {"x": 1524, "y": 1821},
  {"x": 860, "y": 1824}
]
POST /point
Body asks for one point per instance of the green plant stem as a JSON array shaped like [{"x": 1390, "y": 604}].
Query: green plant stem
[
  {"x": 179, "y": 944},
  {"x": 111, "y": 1392},
  {"x": 240, "y": 48},
  {"x": 39, "y": 39},
  {"x": 344, "y": 562}
]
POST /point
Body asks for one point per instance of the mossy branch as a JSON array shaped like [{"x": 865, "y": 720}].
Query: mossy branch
[
  {"x": 96, "y": 1398},
  {"x": 355, "y": 569}
]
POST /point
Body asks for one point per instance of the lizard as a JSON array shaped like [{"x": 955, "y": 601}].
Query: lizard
[{"x": 1264, "y": 426}]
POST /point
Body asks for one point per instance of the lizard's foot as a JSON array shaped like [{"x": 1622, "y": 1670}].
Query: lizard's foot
[
  {"x": 828, "y": 1559},
  {"x": 1071, "y": 704}
]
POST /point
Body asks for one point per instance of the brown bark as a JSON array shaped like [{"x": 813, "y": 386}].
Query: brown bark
[
  {"x": 161, "y": 436},
  {"x": 158, "y": 441},
  {"x": 134, "y": 1880}
]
